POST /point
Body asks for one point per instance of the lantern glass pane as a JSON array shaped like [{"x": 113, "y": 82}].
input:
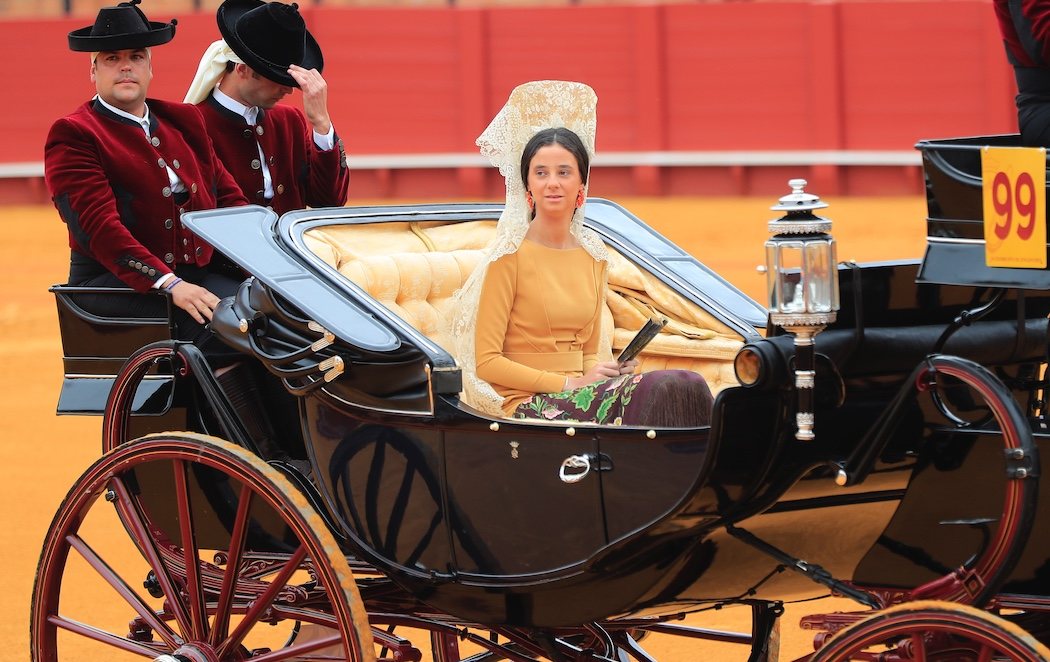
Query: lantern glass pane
[
  {"x": 772, "y": 272},
  {"x": 834, "y": 277},
  {"x": 790, "y": 291},
  {"x": 820, "y": 276}
]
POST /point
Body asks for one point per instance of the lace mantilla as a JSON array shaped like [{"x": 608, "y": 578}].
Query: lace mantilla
[{"x": 531, "y": 108}]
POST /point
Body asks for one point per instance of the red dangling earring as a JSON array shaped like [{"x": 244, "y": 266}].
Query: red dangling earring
[
  {"x": 528, "y": 199},
  {"x": 579, "y": 200}
]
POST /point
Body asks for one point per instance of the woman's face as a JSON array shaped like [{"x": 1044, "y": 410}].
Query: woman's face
[{"x": 554, "y": 180}]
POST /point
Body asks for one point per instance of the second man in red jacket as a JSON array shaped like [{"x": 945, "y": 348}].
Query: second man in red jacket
[{"x": 280, "y": 157}]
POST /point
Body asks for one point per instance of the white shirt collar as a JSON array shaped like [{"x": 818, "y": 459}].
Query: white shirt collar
[
  {"x": 141, "y": 121},
  {"x": 249, "y": 113}
]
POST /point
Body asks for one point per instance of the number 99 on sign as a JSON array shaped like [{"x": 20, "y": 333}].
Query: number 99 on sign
[
  {"x": 1019, "y": 197},
  {"x": 1014, "y": 193}
]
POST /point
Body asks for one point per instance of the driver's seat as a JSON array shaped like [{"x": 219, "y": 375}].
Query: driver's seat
[{"x": 95, "y": 347}]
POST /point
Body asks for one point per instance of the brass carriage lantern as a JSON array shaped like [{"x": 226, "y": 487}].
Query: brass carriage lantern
[{"x": 802, "y": 282}]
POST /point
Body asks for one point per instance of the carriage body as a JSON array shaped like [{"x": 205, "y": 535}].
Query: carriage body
[{"x": 546, "y": 526}]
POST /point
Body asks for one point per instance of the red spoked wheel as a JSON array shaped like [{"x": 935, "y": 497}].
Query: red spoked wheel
[
  {"x": 979, "y": 578},
  {"x": 210, "y": 555},
  {"x": 932, "y": 631}
]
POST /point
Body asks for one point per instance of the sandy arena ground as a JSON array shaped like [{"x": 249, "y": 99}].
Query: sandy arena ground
[{"x": 41, "y": 454}]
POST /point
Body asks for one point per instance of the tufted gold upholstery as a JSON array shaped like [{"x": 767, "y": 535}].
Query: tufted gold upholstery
[
  {"x": 416, "y": 286},
  {"x": 413, "y": 269}
]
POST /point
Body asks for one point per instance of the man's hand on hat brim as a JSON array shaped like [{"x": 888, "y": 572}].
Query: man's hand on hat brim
[{"x": 315, "y": 97}]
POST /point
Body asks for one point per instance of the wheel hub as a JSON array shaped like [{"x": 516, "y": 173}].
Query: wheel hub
[{"x": 191, "y": 652}]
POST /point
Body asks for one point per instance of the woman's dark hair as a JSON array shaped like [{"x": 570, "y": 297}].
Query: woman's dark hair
[{"x": 558, "y": 136}]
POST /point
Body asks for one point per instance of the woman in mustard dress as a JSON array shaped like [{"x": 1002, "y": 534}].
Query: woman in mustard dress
[{"x": 533, "y": 349}]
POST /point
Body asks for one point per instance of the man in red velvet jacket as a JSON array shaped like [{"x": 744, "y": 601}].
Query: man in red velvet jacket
[
  {"x": 121, "y": 170},
  {"x": 1025, "y": 27},
  {"x": 279, "y": 157}
]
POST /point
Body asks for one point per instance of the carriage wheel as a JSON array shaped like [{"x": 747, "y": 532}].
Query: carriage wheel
[
  {"x": 980, "y": 578},
  {"x": 933, "y": 631},
  {"x": 211, "y": 556}
]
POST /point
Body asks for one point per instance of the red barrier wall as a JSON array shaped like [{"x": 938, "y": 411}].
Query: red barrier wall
[{"x": 704, "y": 77}]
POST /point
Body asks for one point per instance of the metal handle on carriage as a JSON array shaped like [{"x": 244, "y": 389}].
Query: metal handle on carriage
[
  {"x": 275, "y": 360},
  {"x": 574, "y": 462}
]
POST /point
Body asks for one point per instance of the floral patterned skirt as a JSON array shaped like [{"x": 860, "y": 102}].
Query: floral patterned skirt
[{"x": 662, "y": 398}]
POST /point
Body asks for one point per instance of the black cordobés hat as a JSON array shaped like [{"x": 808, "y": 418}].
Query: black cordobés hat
[
  {"x": 121, "y": 27},
  {"x": 269, "y": 37}
]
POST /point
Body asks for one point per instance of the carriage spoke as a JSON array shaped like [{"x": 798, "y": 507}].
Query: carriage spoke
[
  {"x": 98, "y": 635},
  {"x": 262, "y": 603},
  {"x": 125, "y": 591},
  {"x": 625, "y": 641},
  {"x": 195, "y": 594},
  {"x": 299, "y": 651},
  {"x": 986, "y": 654},
  {"x": 229, "y": 581},
  {"x": 918, "y": 642},
  {"x": 153, "y": 557}
]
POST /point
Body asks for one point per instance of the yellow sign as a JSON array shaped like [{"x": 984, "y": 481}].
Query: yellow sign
[{"x": 1014, "y": 182}]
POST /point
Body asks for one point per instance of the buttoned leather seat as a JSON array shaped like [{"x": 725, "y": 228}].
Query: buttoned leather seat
[{"x": 414, "y": 269}]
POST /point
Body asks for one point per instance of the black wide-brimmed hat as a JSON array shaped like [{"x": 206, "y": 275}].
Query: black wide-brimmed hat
[
  {"x": 121, "y": 27},
  {"x": 269, "y": 37}
]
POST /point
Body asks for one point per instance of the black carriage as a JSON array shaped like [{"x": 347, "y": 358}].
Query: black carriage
[{"x": 330, "y": 496}]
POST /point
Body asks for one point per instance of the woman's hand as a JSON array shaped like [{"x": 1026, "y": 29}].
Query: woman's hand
[
  {"x": 598, "y": 372},
  {"x": 628, "y": 367}
]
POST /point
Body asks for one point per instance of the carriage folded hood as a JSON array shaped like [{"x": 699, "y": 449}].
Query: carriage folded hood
[{"x": 246, "y": 236}]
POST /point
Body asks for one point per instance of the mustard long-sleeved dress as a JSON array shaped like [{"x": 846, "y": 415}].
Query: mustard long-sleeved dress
[{"x": 539, "y": 320}]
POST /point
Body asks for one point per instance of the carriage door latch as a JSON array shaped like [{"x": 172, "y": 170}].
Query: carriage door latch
[{"x": 575, "y": 467}]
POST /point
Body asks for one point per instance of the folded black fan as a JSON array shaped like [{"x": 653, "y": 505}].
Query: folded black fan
[{"x": 644, "y": 336}]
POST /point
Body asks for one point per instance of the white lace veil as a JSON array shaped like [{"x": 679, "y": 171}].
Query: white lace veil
[{"x": 531, "y": 108}]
